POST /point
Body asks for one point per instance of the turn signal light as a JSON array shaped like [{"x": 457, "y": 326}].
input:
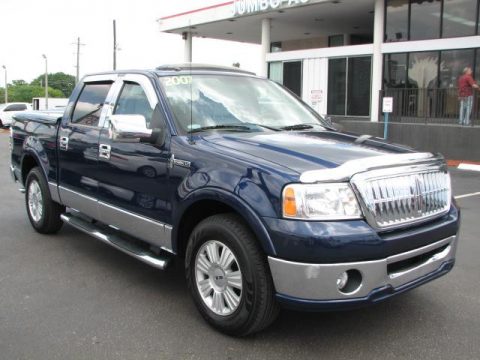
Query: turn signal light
[{"x": 289, "y": 204}]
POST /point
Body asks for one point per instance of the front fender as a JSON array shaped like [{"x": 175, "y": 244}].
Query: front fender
[{"x": 231, "y": 200}]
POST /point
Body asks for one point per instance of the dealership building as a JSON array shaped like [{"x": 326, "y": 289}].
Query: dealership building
[{"x": 343, "y": 56}]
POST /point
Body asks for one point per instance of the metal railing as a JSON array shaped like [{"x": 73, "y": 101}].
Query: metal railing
[{"x": 435, "y": 106}]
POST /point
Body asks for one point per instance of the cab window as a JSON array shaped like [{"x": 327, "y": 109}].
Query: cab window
[
  {"x": 89, "y": 104},
  {"x": 134, "y": 101}
]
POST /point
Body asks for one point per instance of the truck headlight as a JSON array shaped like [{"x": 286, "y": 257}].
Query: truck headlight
[{"x": 320, "y": 202}]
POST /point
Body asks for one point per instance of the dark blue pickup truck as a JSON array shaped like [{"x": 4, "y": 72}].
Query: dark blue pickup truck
[{"x": 265, "y": 201}]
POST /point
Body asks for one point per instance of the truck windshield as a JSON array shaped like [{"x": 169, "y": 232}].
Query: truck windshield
[{"x": 235, "y": 103}]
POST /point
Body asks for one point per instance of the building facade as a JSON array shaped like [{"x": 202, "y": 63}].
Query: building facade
[{"x": 342, "y": 56}]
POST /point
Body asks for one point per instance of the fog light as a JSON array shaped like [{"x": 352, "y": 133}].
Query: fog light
[{"x": 342, "y": 280}]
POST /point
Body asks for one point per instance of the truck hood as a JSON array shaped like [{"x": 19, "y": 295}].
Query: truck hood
[{"x": 304, "y": 151}]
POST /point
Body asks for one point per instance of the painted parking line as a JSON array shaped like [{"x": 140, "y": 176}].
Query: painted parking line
[
  {"x": 467, "y": 195},
  {"x": 466, "y": 166}
]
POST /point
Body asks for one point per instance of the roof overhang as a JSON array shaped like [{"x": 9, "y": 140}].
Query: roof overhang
[{"x": 240, "y": 20}]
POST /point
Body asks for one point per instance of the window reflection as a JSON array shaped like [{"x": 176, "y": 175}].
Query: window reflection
[
  {"x": 425, "y": 19},
  {"x": 459, "y": 18},
  {"x": 452, "y": 64},
  {"x": 395, "y": 70},
  {"x": 423, "y": 69},
  {"x": 397, "y": 20}
]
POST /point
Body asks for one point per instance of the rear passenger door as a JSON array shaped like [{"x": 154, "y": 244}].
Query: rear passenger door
[{"x": 78, "y": 144}]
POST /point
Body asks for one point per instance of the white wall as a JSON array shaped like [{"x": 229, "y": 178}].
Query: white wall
[{"x": 315, "y": 83}]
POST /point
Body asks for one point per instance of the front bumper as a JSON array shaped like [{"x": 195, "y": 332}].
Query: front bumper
[{"x": 314, "y": 286}]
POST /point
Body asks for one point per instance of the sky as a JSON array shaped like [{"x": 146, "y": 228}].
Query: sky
[{"x": 30, "y": 28}]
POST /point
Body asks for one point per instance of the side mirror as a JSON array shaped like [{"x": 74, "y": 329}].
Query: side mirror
[{"x": 129, "y": 128}]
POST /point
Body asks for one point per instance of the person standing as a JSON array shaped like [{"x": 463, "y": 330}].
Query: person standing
[{"x": 466, "y": 84}]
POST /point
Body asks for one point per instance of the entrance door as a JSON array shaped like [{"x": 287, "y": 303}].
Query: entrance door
[
  {"x": 292, "y": 76},
  {"x": 134, "y": 195},
  {"x": 349, "y": 86}
]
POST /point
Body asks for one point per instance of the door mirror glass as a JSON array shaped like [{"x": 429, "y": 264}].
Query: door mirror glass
[{"x": 129, "y": 128}]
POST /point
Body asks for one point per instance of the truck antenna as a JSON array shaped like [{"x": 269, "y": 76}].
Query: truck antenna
[{"x": 191, "y": 87}]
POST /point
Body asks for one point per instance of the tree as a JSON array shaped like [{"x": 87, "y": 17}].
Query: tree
[
  {"x": 60, "y": 81},
  {"x": 20, "y": 91}
]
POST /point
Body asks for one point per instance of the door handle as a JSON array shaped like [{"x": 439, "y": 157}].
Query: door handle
[
  {"x": 104, "y": 151},
  {"x": 64, "y": 143}
]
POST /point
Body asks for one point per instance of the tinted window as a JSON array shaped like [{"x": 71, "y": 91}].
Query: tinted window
[
  {"x": 397, "y": 20},
  {"x": 358, "y": 99},
  {"x": 459, "y": 18},
  {"x": 423, "y": 70},
  {"x": 89, "y": 105},
  {"x": 337, "y": 78},
  {"x": 395, "y": 70},
  {"x": 452, "y": 64},
  {"x": 425, "y": 19},
  {"x": 16, "y": 107},
  {"x": 134, "y": 101}
]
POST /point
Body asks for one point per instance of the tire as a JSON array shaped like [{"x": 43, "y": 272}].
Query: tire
[
  {"x": 43, "y": 212},
  {"x": 254, "y": 306}
]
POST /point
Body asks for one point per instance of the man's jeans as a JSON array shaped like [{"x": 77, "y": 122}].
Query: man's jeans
[{"x": 465, "y": 110}]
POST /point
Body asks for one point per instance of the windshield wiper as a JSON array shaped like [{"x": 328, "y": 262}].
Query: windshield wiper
[
  {"x": 214, "y": 127},
  {"x": 297, "y": 127}
]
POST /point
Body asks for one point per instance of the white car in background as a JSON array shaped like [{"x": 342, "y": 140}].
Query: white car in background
[{"x": 9, "y": 109}]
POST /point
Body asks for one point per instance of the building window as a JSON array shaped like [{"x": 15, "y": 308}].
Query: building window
[
  {"x": 336, "y": 40},
  {"x": 396, "y": 28},
  {"x": 452, "y": 64},
  {"x": 288, "y": 73},
  {"x": 459, "y": 18},
  {"x": 423, "y": 70},
  {"x": 349, "y": 86},
  {"x": 477, "y": 67},
  {"x": 395, "y": 71},
  {"x": 276, "y": 46},
  {"x": 425, "y": 19}
]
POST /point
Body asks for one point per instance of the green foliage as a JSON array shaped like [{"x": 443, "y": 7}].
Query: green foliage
[
  {"x": 61, "y": 81},
  {"x": 20, "y": 91}
]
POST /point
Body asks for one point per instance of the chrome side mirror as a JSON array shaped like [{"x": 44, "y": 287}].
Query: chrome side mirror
[{"x": 129, "y": 128}]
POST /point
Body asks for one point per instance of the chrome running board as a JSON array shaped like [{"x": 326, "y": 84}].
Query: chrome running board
[{"x": 121, "y": 242}]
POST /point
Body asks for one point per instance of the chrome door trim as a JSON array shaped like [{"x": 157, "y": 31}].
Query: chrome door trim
[
  {"x": 54, "y": 194},
  {"x": 141, "y": 227},
  {"x": 149, "y": 230},
  {"x": 80, "y": 202}
]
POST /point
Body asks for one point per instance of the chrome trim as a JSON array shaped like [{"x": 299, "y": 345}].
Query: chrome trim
[
  {"x": 54, "y": 194},
  {"x": 318, "y": 281},
  {"x": 394, "y": 197},
  {"x": 141, "y": 227},
  {"x": 345, "y": 171},
  {"x": 80, "y": 202},
  {"x": 118, "y": 243},
  {"x": 146, "y": 229},
  {"x": 21, "y": 188}
]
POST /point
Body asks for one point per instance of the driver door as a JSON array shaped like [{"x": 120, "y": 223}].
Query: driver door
[{"x": 134, "y": 193}]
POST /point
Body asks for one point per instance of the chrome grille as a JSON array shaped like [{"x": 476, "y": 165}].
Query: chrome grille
[{"x": 392, "y": 198}]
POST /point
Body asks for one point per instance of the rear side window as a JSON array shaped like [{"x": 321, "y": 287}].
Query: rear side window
[
  {"x": 16, "y": 107},
  {"x": 89, "y": 105}
]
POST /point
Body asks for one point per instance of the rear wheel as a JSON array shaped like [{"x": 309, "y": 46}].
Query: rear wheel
[
  {"x": 228, "y": 276},
  {"x": 43, "y": 212}
]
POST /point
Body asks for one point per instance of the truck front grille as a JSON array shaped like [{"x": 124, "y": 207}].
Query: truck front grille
[{"x": 391, "y": 198}]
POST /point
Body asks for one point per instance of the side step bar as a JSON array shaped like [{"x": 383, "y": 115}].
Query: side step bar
[{"x": 111, "y": 237}]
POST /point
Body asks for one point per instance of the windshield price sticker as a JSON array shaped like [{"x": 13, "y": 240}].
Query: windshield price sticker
[{"x": 177, "y": 80}]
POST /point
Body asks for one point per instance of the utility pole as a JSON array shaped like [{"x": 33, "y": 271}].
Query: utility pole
[
  {"x": 114, "y": 45},
  {"x": 6, "y": 84},
  {"x": 78, "y": 44},
  {"x": 46, "y": 81}
]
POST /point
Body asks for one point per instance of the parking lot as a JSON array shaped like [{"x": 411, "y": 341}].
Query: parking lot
[{"x": 69, "y": 296}]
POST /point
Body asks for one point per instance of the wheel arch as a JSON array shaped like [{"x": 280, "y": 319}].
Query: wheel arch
[{"x": 207, "y": 202}]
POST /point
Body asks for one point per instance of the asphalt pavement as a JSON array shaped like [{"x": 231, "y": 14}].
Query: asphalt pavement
[{"x": 69, "y": 296}]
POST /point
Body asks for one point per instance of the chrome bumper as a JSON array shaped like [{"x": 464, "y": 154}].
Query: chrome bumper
[{"x": 319, "y": 281}]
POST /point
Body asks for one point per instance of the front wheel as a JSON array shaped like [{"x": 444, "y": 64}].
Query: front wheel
[
  {"x": 43, "y": 212},
  {"x": 228, "y": 276}
]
